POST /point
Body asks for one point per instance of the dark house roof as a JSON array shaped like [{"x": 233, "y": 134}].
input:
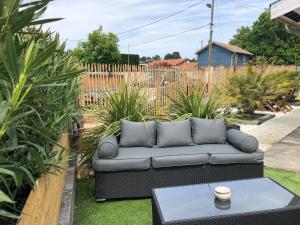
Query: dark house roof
[{"x": 231, "y": 48}]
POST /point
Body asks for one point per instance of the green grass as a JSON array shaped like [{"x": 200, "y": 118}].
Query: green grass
[{"x": 138, "y": 212}]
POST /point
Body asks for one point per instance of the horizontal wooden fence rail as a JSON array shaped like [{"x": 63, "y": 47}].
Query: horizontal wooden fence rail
[
  {"x": 43, "y": 204},
  {"x": 159, "y": 84}
]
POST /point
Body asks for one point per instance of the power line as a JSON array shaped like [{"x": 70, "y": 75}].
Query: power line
[
  {"x": 160, "y": 19},
  {"x": 172, "y": 35},
  {"x": 219, "y": 20},
  {"x": 246, "y": 6}
]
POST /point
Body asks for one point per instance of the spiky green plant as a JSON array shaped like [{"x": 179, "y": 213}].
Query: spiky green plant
[
  {"x": 125, "y": 103},
  {"x": 196, "y": 103}
]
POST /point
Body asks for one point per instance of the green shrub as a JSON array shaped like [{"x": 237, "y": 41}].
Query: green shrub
[
  {"x": 248, "y": 90},
  {"x": 245, "y": 91},
  {"x": 38, "y": 89},
  {"x": 283, "y": 84},
  {"x": 133, "y": 59}
]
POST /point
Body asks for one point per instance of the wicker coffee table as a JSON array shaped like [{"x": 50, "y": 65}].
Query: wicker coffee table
[{"x": 259, "y": 201}]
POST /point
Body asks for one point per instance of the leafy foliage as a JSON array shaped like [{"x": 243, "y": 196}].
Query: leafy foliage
[
  {"x": 149, "y": 59},
  {"x": 125, "y": 103},
  {"x": 285, "y": 84},
  {"x": 246, "y": 90},
  {"x": 38, "y": 88},
  {"x": 174, "y": 55},
  {"x": 268, "y": 38},
  {"x": 133, "y": 59},
  {"x": 195, "y": 104},
  {"x": 99, "y": 48}
]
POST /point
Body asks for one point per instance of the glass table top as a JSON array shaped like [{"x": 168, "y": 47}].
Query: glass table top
[{"x": 197, "y": 201}]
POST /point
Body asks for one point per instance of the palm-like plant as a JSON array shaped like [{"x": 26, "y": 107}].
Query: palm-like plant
[
  {"x": 196, "y": 103},
  {"x": 247, "y": 90},
  {"x": 125, "y": 103},
  {"x": 283, "y": 84}
]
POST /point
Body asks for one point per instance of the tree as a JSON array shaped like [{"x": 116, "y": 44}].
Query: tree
[
  {"x": 134, "y": 59},
  {"x": 99, "y": 48},
  {"x": 174, "y": 55},
  {"x": 156, "y": 57},
  {"x": 268, "y": 38}
]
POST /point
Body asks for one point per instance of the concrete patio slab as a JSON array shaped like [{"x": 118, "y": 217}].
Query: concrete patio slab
[
  {"x": 275, "y": 129},
  {"x": 280, "y": 139},
  {"x": 283, "y": 156}
]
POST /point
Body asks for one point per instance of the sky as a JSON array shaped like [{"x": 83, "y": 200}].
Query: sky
[{"x": 83, "y": 16}]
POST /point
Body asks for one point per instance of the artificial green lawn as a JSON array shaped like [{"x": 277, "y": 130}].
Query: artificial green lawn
[{"x": 138, "y": 212}]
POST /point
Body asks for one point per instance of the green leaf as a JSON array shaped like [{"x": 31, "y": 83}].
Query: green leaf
[
  {"x": 19, "y": 116},
  {"x": 11, "y": 173},
  {"x": 45, "y": 54},
  {"x": 30, "y": 56},
  {"x": 7, "y": 214},
  {"x": 5, "y": 198},
  {"x": 3, "y": 110},
  {"x": 9, "y": 58},
  {"x": 39, "y": 22}
]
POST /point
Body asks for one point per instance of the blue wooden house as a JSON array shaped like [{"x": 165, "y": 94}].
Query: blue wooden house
[{"x": 223, "y": 55}]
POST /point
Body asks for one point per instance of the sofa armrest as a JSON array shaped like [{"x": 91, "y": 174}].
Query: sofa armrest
[
  {"x": 242, "y": 141},
  {"x": 107, "y": 148}
]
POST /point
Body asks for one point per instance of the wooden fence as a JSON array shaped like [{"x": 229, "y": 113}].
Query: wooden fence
[
  {"x": 159, "y": 84},
  {"x": 43, "y": 204}
]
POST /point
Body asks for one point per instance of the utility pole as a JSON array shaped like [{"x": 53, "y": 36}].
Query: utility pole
[{"x": 212, "y": 7}]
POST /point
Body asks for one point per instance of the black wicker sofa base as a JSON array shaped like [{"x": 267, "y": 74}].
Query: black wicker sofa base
[{"x": 139, "y": 183}]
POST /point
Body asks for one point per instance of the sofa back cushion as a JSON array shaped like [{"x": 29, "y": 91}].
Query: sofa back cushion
[
  {"x": 175, "y": 133},
  {"x": 137, "y": 134},
  {"x": 205, "y": 131}
]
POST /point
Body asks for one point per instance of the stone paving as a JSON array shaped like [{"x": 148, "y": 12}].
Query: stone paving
[{"x": 280, "y": 139}]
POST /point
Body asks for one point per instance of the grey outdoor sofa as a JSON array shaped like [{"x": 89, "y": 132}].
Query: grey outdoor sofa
[{"x": 156, "y": 154}]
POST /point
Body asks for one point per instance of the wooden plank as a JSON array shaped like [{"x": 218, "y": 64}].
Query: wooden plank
[{"x": 43, "y": 204}]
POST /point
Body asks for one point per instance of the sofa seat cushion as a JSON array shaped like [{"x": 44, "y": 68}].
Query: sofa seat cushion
[
  {"x": 178, "y": 156},
  {"x": 227, "y": 154},
  {"x": 128, "y": 158}
]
